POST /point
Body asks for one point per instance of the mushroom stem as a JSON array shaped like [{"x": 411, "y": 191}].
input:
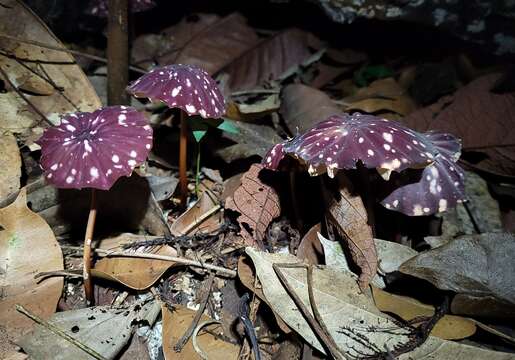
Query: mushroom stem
[
  {"x": 183, "y": 147},
  {"x": 88, "y": 285}
]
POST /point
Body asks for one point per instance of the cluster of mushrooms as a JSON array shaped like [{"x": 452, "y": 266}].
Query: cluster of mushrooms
[{"x": 92, "y": 150}]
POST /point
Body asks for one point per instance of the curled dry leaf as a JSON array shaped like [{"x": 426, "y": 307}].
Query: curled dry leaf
[
  {"x": 175, "y": 323},
  {"x": 349, "y": 217},
  {"x": 135, "y": 273},
  {"x": 310, "y": 249},
  {"x": 10, "y": 165},
  {"x": 55, "y": 83},
  {"x": 482, "y": 119},
  {"x": 257, "y": 203},
  {"x": 204, "y": 216},
  {"x": 27, "y": 247}
]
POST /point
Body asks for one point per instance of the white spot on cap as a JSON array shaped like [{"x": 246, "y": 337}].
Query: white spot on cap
[
  {"x": 190, "y": 108},
  {"x": 148, "y": 146},
  {"x": 87, "y": 147},
  {"x": 417, "y": 210},
  {"x": 426, "y": 209},
  {"x": 442, "y": 205},
  {"x": 370, "y": 152},
  {"x": 115, "y": 158},
  {"x": 360, "y": 140},
  {"x": 54, "y": 167},
  {"x": 49, "y": 176},
  {"x": 188, "y": 83},
  {"x": 70, "y": 128},
  {"x": 93, "y": 171},
  {"x": 69, "y": 179},
  {"x": 74, "y": 171},
  {"x": 387, "y": 147},
  {"x": 269, "y": 159},
  {"x": 202, "y": 113},
  {"x": 133, "y": 154},
  {"x": 388, "y": 137},
  {"x": 131, "y": 163},
  {"x": 395, "y": 203}
]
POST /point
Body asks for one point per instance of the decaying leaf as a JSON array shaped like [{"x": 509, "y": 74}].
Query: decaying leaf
[
  {"x": 10, "y": 165},
  {"x": 348, "y": 314},
  {"x": 105, "y": 329},
  {"x": 51, "y": 79},
  {"x": 135, "y": 273},
  {"x": 477, "y": 265},
  {"x": 482, "y": 119},
  {"x": 384, "y": 95},
  {"x": 349, "y": 217},
  {"x": 257, "y": 203},
  {"x": 27, "y": 247},
  {"x": 302, "y": 107},
  {"x": 449, "y": 327},
  {"x": 310, "y": 249},
  {"x": 175, "y": 323},
  {"x": 209, "y": 41},
  {"x": 390, "y": 255}
]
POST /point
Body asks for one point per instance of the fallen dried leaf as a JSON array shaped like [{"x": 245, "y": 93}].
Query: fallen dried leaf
[
  {"x": 257, "y": 203},
  {"x": 302, "y": 107},
  {"x": 482, "y": 119},
  {"x": 135, "y": 273},
  {"x": 464, "y": 266},
  {"x": 27, "y": 247},
  {"x": 449, "y": 327},
  {"x": 176, "y": 321},
  {"x": 310, "y": 249},
  {"x": 105, "y": 329},
  {"x": 60, "y": 84},
  {"x": 202, "y": 217},
  {"x": 10, "y": 165},
  {"x": 349, "y": 217}
]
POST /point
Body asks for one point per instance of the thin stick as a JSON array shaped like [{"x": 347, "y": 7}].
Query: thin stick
[
  {"x": 197, "y": 172},
  {"x": 22, "y": 95},
  {"x": 117, "y": 52},
  {"x": 86, "y": 257},
  {"x": 183, "y": 147},
  {"x": 201, "y": 218},
  {"x": 184, "y": 338},
  {"x": 179, "y": 260},
  {"x": 325, "y": 339},
  {"x": 54, "y": 329},
  {"x": 69, "y": 51}
]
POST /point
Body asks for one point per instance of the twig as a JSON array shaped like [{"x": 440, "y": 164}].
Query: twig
[
  {"x": 325, "y": 339},
  {"x": 67, "y": 273},
  {"x": 22, "y": 95},
  {"x": 201, "y": 218},
  {"x": 54, "y": 329},
  {"x": 179, "y": 260},
  {"x": 184, "y": 338},
  {"x": 244, "y": 315},
  {"x": 73, "y": 52}
]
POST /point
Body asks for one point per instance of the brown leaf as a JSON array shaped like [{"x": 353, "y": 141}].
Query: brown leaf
[
  {"x": 303, "y": 106},
  {"x": 270, "y": 59},
  {"x": 175, "y": 323},
  {"x": 209, "y": 41},
  {"x": 483, "y": 120},
  {"x": 349, "y": 216},
  {"x": 10, "y": 165},
  {"x": 27, "y": 247},
  {"x": 449, "y": 327},
  {"x": 33, "y": 64},
  {"x": 201, "y": 217},
  {"x": 310, "y": 249},
  {"x": 135, "y": 273},
  {"x": 257, "y": 203},
  {"x": 384, "y": 95}
]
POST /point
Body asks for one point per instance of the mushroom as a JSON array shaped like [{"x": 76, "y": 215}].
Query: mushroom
[
  {"x": 92, "y": 150},
  {"x": 441, "y": 185},
  {"x": 188, "y": 88},
  {"x": 340, "y": 141},
  {"x": 100, "y": 8}
]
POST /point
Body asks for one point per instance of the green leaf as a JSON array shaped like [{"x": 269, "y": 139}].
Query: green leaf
[
  {"x": 199, "y": 134},
  {"x": 199, "y": 128},
  {"x": 227, "y": 125}
]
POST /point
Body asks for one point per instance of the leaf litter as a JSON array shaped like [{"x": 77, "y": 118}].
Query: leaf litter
[{"x": 162, "y": 272}]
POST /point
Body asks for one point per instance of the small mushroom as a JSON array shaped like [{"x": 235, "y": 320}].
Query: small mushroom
[
  {"x": 441, "y": 185},
  {"x": 92, "y": 150},
  {"x": 99, "y": 7},
  {"x": 340, "y": 141},
  {"x": 188, "y": 88}
]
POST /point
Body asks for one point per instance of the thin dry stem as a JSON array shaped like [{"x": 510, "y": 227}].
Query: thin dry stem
[{"x": 183, "y": 147}]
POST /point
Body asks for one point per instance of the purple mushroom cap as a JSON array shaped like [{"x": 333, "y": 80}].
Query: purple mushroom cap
[
  {"x": 92, "y": 150},
  {"x": 441, "y": 185},
  {"x": 100, "y": 8},
  {"x": 340, "y": 141},
  {"x": 183, "y": 86}
]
